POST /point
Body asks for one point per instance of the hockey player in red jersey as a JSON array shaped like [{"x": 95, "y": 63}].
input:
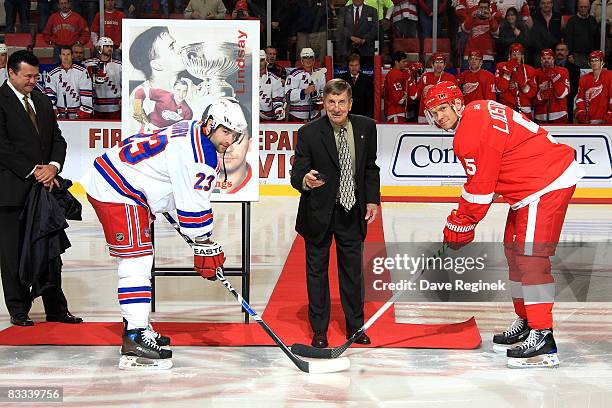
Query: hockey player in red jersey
[
  {"x": 594, "y": 99},
  {"x": 515, "y": 81},
  {"x": 476, "y": 83},
  {"x": 438, "y": 62},
  {"x": 504, "y": 153},
  {"x": 174, "y": 168},
  {"x": 550, "y": 102},
  {"x": 400, "y": 90}
]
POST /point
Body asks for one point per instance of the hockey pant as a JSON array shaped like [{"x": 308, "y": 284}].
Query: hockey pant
[
  {"x": 128, "y": 235},
  {"x": 531, "y": 237}
]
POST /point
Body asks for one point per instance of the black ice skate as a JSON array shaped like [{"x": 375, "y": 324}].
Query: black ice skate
[
  {"x": 140, "y": 351},
  {"x": 161, "y": 340},
  {"x": 538, "y": 350},
  {"x": 517, "y": 332}
]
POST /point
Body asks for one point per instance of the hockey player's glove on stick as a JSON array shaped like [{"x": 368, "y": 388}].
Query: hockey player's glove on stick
[
  {"x": 306, "y": 366},
  {"x": 207, "y": 258},
  {"x": 330, "y": 353},
  {"x": 458, "y": 231}
]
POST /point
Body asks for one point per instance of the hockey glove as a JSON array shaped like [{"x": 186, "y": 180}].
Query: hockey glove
[
  {"x": 207, "y": 257},
  {"x": 458, "y": 231}
]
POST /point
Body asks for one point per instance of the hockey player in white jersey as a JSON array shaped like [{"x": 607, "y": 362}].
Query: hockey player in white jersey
[
  {"x": 105, "y": 72},
  {"x": 69, "y": 87},
  {"x": 271, "y": 92},
  {"x": 174, "y": 168},
  {"x": 3, "y": 60},
  {"x": 304, "y": 89}
]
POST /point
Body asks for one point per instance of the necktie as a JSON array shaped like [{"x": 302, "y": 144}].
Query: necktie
[
  {"x": 347, "y": 183},
  {"x": 354, "y": 80},
  {"x": 30, "y": 112},
  {"x": 356, "y": 15}
]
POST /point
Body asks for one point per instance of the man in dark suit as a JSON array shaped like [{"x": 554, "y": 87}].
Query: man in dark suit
[
  {"x": 32, "y": 150},
  {"x": 335, "y": 171},
  {"x": 357, "y": 30},
  {"x": 362, "y": 86},
  {"x": 561, "y": 54}
]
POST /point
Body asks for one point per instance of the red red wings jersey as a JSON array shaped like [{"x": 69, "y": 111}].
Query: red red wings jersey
[
  {"x": 66, "y": 30},
  {"x": 466, "y": 8},
  {"x": 427, "y": 81},
  {"x": 516, "y": 86},
  {"x": 550, "y": 101},
  {"x": 400, "y": 91},
  {"x": 166, "y": 112},
  {"x": 480, "y": 36},
  {"x": 112, "y": 25},
  {"x": 594, "y": 99},
  {"x": 476, "y": 85},
  {"x": 505, "y": 153}
]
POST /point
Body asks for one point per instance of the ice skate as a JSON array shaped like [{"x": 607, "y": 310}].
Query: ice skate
[
  {"x": 161, "y": 340},
  {"x": 517, "y": 332},
  {"x": 539, "y": 350},
  {"x": 140, "y": 351}
]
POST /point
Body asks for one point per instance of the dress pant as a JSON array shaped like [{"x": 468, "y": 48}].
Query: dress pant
[
  {"x": 17, "y": 298},
  {"x": 345, "y": 228}
]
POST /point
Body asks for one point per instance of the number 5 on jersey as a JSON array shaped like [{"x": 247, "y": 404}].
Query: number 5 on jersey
[{"x": 470, "y": 166}]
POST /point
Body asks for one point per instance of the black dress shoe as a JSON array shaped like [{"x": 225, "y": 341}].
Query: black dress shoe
[
  {"x": 363, "y": 339},
  {"x": 64, "y": 318},
  {"x": 319, "y": 340},
  {"x": 22, "y": 320}
]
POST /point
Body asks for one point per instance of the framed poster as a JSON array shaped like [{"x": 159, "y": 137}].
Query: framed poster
[{"x": 174, "y": 69}]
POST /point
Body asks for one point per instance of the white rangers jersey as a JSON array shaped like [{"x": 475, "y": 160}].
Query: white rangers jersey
[
  {"x": 174, "y": 168},
  {"x": 106, "y": 77},
  {"x": 70, "y": 91},
  {"x": 271, "y": 95},
  {"x": 301, "y": 105},
  {"x": 3, "y": 75}
]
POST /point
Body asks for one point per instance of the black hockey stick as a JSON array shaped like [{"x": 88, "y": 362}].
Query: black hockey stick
[
  {"x": 306, "y": 366},
  {"x": 313, "y": 352}
]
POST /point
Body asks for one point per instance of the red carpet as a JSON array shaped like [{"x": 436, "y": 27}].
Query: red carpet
[{"x": 286, "y": 314}]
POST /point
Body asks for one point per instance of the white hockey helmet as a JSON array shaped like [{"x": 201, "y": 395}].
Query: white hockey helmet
[
  {"x": 102, "y": 41},
  {"x": 225, "y": 111},
  {"x": 262, "y": 54},
  {"x": 307, "y": 52},
  {"x": 3, "y": 49}
]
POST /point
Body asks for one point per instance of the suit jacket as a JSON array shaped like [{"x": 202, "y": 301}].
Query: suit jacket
[
  {"x": 22, "y": 147},
  {"x": 367, "y": 28},
  {"x": 316, "y": 149},
  {"x": 363, "y": 94}
]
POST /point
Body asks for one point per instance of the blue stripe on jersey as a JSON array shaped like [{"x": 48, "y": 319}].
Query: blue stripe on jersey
[
  {"x": 127, "y": 190},
  {"x": 203, "y": 149},
  {"x": 134, "y": 300},
  {"x": 134, "y": 289},
  {"x": 194, "y": 219}
]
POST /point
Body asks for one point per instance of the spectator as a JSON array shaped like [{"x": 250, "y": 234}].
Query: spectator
[
  {"x": 521, "y": 6},
  {"x": 205, "y": 10},
  {"x": 400, "y": 90},
  {"x": 11, "y": 8},
  {"x": 596, "y": 12},
  {"x": 106, "y": 75},
  {"x": 312, "y": 27},
  {"x": 271, "y": 92},
  {"x": 476, "y": 83},
  {"x": 44, "y": 8},
  {"x": 304, "y": 88},
  {"x": 564, "y": 7},
  {"x": 88, "y": 9},
  {"x": 515, "y": 82},
  {"x": 33, "y": 152},
  {"x": 438, "y": 62},
  {"x": 426, "y": 18},
  {"x": 384, "y": 8},
  {"x": 480, "y": 27},
  {"x": 362, "y": 87},
  {"x": 463, "y": 10},
  {"x": 595, "y": 93},
  {"x": 512, "y": 30},
  {"x": 78, "y": 53},
  {"x": 272, "y": 66},
  {"x": 65, "y": 27},
  {"x": 112, "y": 24},
  {"x": 405, "y": 19},
  {"x": 548, "y": 19},
  {"x": 69, "y": 88},
  {"x": 581, "y": 33},
  {"x": 281, "y": 27},
  {"x": 356, "y": 31},
  {"x": 550, "y": 102},
  {"x": 170, "y": 107},
  {"x": 561, "y": 54},
  {"x": 3, "y": 58}
]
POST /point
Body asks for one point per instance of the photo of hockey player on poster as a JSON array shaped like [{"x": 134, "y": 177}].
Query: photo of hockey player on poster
[{"x": 174, "y": 70}]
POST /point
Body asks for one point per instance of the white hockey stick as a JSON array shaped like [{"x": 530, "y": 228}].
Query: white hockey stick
[
  {"x": 330, "y": 366},
  {"x": 330, "y": 353}
]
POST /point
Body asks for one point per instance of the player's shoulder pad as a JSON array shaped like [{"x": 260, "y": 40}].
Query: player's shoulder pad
[
  {"x": 273, "y": 75},
  {"x": 55, "y": 70},
  {"x": 78, "y": 67},
  {"x": 296, "y": 72}
]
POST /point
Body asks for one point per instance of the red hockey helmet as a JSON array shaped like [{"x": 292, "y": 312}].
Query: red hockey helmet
[
  {"x": 442, "y": 92},
  {"x": 475, "y": 53},
  {"x": 437, "y": 57},
  {"x": 516, "y": 47},
  {"x": 597, "y": 54},
  {"x": 547, "y": 52}
]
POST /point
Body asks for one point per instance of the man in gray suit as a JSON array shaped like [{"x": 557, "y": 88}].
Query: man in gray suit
[{"x": 357, "y": 31}]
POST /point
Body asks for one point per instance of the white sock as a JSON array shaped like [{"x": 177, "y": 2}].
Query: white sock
[{"x": 134, "y": 290}]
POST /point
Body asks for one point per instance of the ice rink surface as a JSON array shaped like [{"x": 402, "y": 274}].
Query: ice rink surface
[{"x": 264, "y": 377}]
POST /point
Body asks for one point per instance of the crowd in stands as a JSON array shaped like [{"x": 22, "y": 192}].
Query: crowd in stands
[{"x": 525, "y": 53}]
